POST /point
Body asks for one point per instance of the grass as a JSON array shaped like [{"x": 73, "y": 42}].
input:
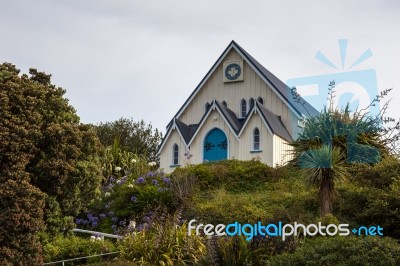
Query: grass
[{"x": 288, "y": 198}]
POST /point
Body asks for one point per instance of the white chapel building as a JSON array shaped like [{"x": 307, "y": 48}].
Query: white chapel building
[{"x": 239, "y": 110}]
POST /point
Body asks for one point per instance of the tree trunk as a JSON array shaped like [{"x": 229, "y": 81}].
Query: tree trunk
[{"x": 326, "y": 192}]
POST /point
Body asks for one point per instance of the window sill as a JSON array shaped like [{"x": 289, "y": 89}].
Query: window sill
[
  {"x": 174, "y": 165},
  {"x": 255, "y": 151}
]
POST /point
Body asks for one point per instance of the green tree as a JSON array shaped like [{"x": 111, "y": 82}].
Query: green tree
[
  {"x": 331, "y": 142},
  {"x": 43, "y": 147},
  {"x": 136, "y": 137},
  {"x": 21, "y": 218}
]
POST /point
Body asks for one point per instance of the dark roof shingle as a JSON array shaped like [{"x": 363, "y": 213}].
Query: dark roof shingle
[{"x": 275, "y": 123}]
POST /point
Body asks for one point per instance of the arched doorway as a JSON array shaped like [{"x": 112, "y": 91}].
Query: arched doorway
[{"x": 215, "y": 146}]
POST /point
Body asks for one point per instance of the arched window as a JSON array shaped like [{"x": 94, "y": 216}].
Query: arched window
[
  {"x": 251, "y": 103},
  {"x": 175, "y": 154},
  {"x": 260, "y": 100},
  {"x": 224, "y": 103},
  {"x": 207, "y": 107},
  {"x": 243, "y": 108},
  {"x": 256, "y": 139}
]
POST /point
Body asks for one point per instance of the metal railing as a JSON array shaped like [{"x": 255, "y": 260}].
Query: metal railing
[
  {"x": 91, "y": 256},
  {"x": 81, "y": 258},
  {"x": 96, "y": 233}
]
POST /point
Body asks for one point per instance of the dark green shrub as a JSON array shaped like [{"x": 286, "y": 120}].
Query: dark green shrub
[
  {"x": 62, "y": 248},
  {"x": 21, "y": 218},
  {"x": 237, "y": 251},
  {"x": 371, "y": 206},
  {"x": 350, "y": 250},
  {"x": 128, "y": 203},
  {"x": 233, "y": 175},
  {"x": 380, "y": 175},
  {"x": 163, "y": 244}
]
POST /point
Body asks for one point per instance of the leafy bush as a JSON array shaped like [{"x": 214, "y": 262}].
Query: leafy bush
[
  {"x": 380, "y": 175},
  {"x": 284, "y": 200},
  {"x": 237, "y": 251},
  {"x": 233, "y": 175},
  {"x": 62, "y": 248},
  {"x": 371, "y": 206},
  {"x": 349, "y": 250},
  {"x": 163, "y": 244},
  {"x": 131, "y": 197},
  {"x": 137, "y": 137},
  {"x": 21, "y": 218},
  {"x": 128, "y": 204}
]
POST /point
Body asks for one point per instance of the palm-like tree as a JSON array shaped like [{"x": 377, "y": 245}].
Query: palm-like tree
[{"x": 328, "y": 146}]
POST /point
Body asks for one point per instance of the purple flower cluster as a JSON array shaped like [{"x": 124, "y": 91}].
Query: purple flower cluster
[
  {"x": 151, "y": 174},
  {"x": 133, "y": 198},
  {"x": 154, "y": 182},
  {"x": 79, "y": 221},
  {"x": 91, "y": 220},
  {"x": 140, "y": 180},
  {"x": 166, "y": 180}
]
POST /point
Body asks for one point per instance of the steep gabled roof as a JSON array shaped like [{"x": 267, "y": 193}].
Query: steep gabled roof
[
  {"x": 230, "y": 116},
  {"x": 186, "y": 131},
  {"x": 274, "y": 122},
  {"x": 280, "y": 88}
]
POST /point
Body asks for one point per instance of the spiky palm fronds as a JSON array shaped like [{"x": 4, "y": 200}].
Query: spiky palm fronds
[{"x": 330, "y": 143}]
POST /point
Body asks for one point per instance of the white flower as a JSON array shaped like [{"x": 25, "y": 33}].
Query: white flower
[
  {"x": 117, "y": 169},
  {"x": 152, "y": 164},
  {"x": 130, "y": 185},
  {"x": 107, "y": 194},
  {"x": 92, "y": 238},
  {"x": 132, "y": 224},
  {"x": 99, "y": 238},
  {"x": 133, "y": 161}
]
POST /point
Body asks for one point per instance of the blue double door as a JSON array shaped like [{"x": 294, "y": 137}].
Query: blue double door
[{"x": 215, "y": 146}]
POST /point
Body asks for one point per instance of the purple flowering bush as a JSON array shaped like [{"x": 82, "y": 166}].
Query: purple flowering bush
[{"x": 129, "y": 202}]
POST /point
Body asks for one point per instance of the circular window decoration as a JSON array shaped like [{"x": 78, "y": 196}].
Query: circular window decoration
[{"x": 232, "y": 71}]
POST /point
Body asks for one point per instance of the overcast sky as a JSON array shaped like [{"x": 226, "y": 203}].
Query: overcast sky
[{"x": 142, "y": 59}]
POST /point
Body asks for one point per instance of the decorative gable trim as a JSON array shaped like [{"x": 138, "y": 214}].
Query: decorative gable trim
[
  {"x": 251, "y": 113},
  {"x": 254, "y": 65},
  {"x": 213, "y": 107},
  {"x": 173, "y": 127}
]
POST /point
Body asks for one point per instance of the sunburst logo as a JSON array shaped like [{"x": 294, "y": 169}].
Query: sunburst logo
[{"x": 357, "y": 88}]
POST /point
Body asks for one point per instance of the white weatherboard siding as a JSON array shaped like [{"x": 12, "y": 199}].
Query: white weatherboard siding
[
  {"x": 246, "y": 141},
  {"x": 277, "y": 125},
  {"x": 282, "y": 151},
  {"x": 166, "y": 157}
]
